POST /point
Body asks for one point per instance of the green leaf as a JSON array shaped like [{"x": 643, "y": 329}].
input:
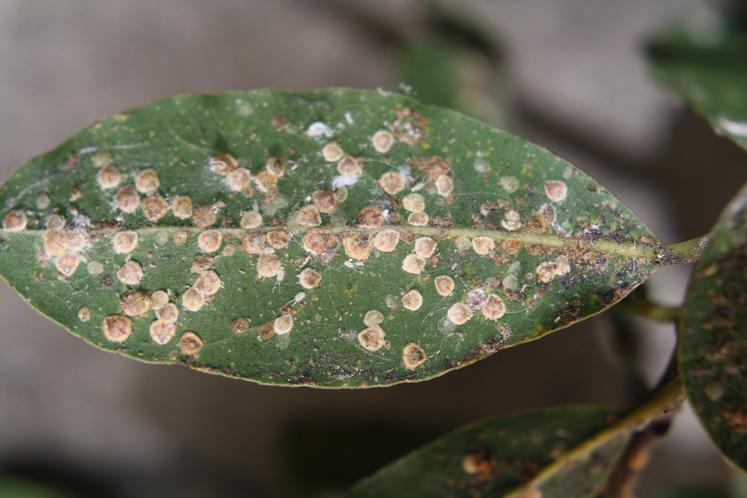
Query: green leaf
[
  {"x": 495, "y": 457},
  {"x": 703, "y": 61},
  {"x": 439, "y": 241},
  {"x": 713, "y": 334}
]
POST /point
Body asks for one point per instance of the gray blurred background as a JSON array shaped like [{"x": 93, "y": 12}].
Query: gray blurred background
[{"x": 571, "y": 77}]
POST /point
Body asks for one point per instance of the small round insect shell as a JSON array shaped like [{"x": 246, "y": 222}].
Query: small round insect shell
[
  {"x": 238, "y": 180},
  {"x": 108, "y": 177},
  {"x": 268, "y": 265},
  {"x": 309, "y": 278},
  {"x": 160, "y": 299},
  {"x": 413, "y": 356},
  {"x": 278, "y": 239},
  {"x": 15, "y": 221},
  {"x": 223, "y": 164},
  {"x": 511, "y": 220},
  {"x": 192, "y": 300},
  {"x": 168, "y": 312},
  {"x": 127, "y": 199},
  {"x": 493, "y": 308},
  {"x": 413, "y": 264},
  {"x": 318, "y": 241},
  {"x": 124, "y": 242},
  {"x": 483, "y": 245},
  {"x": 182, "y": 207},
  {"x": 459, "y": 314},
  {"x": 209, "y": 240},
  {"x": 146, "y": 182},
  {"x": 130, "y": 273},
  {"x": 332, "y": 152},
  {"x": 357, "y": 245},
  {"x": 425, "y": 247},
  {"x": 414, "y": 203},
  {"x": 307, "y": 216},
  {"x": 371, "y": 217},
  {"x": 117, "y": 328},
  {"x": 412, "y": 301},
  {"x": 386, "y": 240},
  {"x": 392, "y": 182},
  {"x": 55, "y": 242},
  {"x": 372, "y": 339},
  {"x": 190, "y": 344},
  {"x": 350, "y": 166},
  {"x": 382, "y": 141},
  {"x": 67, "y": 264},
  {"x": 373, "y": 317},
  {"x": 418, "y": 219},
  {"x": 444, "y": 285},
  {"x": 283, "y": 324},
  {"x": 556, "y": 190},
  {"x": 250, "y": 219},
  {"x": 208, "y": 283},
  {"x": 135, "y": 303},
  {"x": 444, "y": 185},
  {"x": 325, "y": 200},
  {"x": 155, "y": 207},
  {"x": 161, "y": 331}
]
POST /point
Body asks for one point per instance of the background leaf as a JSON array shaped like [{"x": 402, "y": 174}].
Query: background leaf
[
  {"x": 496, "y": 456},
  {"x": 703, "y": 61},
  {"x": 713, "y": 334},
  {"x": 335, "y": 238}
]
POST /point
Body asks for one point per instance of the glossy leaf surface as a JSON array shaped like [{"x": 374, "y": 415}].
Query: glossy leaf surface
[
  {"x": 713, "y": 334},
  {"x": 337, "y": 238},
  {"x": 496, "y": 457}
]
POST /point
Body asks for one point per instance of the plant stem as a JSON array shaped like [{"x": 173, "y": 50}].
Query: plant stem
[
  {"x": 688, "y": 251},
  {"x": 661, "y": 404}
]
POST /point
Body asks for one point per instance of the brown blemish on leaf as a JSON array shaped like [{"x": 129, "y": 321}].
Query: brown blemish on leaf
[
  {"x": 432, "y": 167},
  {"x": 192, "y": 300},
  {"x": 413, "y": 356},
  {"x": 268, "y": 265},
  {"x": 182, "y": 207},
  {"x": 208, "y": 283},
  {"x": 350, "y": 166},
  {"x": 325, "y": 200},
  {"x": 493, "y": 307},
  {"x": 190, "y": 344},
  {"x": 483, "y": 245},
  {"x": 127, "y": 199},
  {"x": 109, "y": 177},
  {"x": 424, "y": 247},
  {"x": 372, "y": 339},
  {"x": 556, "y": 190},
  {"x": 444, "y": 285},
  {"x": 162, "y": 331},
  {"x": 386, "y": 240},
  {"x": 332, "y": 152},
  {"x": 155, "y": 207},
  {"x": 276, "y": 166},
  {"x": 55, "y": 242},
  {"x": 135, "y": 303},
  {"x": 239, "y": 325},
  {"x": 168, "y": 312},
  {"x": 370, "y": 217},
  {"x": 253, "y": 243},
  {"x": 412, "y": 301},
  {"x": 413, "y": 264},
  {"x": 278, "y": 239},
  {"x": 392, "y": 182},
  {"x": 205, "y": 216},
  {"x": 414, "y": 203},
  {"x": 358, "y": 245},
  {"x": 382, "y": 141},
  {"x": 223, "y": 164},
  {"x": 307, "y": 216},
  {"x": 410, "y": 126},
  {"x": 130, "y": 273},
  {"x": 266, "y": 182},
  {"x": 480, "y": 463},
  {"x": 549, "y": 270},
  {"x": 84, "y": 314},
  {"x": 124, "y": 242},
  {"x": 209, "y": 240},
  {"x": 418, "y": 219},
  {"x": 239, "y": 180},
  {"x": 15, "y": 221},
  {"x": 202, "y": 263},
  {"x": 283, "y": 324},
  {"x": 146, "y": 182},
  {"x": 309, "y": 278},
  {"x": 459, "y": 313},
  {"x": 265, "y": 332},
  {"x": 511, "y": 247},
  {"x": 117, "y": 328},
  {"x": 318, "y": 241}
]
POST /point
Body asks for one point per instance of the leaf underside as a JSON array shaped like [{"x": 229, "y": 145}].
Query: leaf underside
[
  {"x": 497, "y": 456},
  {"x": 703, "y": 61},
  {"x": 713, "y": 334},
  {"x": 338, "y": 238}
]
